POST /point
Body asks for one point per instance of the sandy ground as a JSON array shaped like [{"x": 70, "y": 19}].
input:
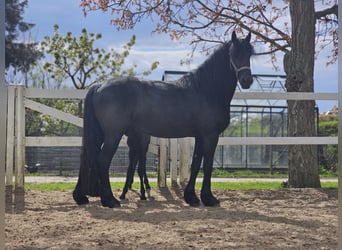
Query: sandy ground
[{"x": 251, "y": 219}]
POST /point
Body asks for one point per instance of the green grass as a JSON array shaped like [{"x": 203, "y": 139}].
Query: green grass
[
  {"x": 329, "y": 184},
  {"x": 245, "y": 174},
  {"x": 59, "y": 186},
  {"x": 327, "y": 173},
  {"x": 222, "y": 173},
  {"x": 243, "y": 185}
]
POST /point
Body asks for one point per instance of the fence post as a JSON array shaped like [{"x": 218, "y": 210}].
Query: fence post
[
  {"x": 3, "y": 116},
  {"x": 173, "y": 161},
  {"x": 184, "y": 161},
  {"x": 10, "y": 147},
  {"x": 20, "y": 150},
  {"x": 162, "y": 162},
  {"x": 340, "y": 130}
]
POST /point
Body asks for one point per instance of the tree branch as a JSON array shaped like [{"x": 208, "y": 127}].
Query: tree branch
[{"x": 329, "y": 11}]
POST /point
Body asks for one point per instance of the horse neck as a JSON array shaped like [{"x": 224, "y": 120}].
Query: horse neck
[{"x": 215, "y": 77}]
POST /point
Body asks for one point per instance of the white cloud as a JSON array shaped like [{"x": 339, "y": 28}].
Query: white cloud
[
  {"x": 169, "y": 54},
  {"x": 168, "y": 59}
]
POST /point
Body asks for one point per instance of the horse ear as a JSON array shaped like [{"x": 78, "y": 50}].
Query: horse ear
[
  {"x": 248, "y": 37},
  {"x": 234, "y": 38}
]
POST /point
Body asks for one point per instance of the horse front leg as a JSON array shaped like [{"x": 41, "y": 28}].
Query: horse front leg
[
  {"x": 209, "y": 146},
  {"x": 190, "y": 196},
  {"x": 104, "y": 159}
]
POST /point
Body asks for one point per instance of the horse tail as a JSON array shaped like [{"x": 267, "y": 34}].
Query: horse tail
[{"x": 92, "y": 141}]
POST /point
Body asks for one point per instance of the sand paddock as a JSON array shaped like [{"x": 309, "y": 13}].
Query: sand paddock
[{"x": 251, "y": 219}]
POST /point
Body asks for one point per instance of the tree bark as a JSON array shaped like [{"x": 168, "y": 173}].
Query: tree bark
[{"x": 299, "y": 68}]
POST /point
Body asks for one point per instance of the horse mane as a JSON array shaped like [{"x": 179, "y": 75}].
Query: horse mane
[{"x": 214, "y": 75}]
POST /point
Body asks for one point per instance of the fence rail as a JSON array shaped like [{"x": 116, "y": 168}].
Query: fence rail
[
  {"x": 80, "y": 94},
  {"x": 20, "y": 98}
]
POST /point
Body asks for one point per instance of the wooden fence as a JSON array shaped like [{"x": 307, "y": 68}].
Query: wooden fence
[{"x": 20, "y": 98}]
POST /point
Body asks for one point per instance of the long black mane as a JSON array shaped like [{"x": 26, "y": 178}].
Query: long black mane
[
  {"x": 212, "y": 75},
  {"x": 211, "y": 72}
]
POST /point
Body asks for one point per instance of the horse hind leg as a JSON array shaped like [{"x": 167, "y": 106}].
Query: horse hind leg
[
  {"x": 147, "y": 185},
  {"x": 104, "y": 159},
  {"x": 78, "y": 197},
  {"x": 144, "y": 143},
  {"x": 141, "y": 142},
  {"x": 77, "y": 194},
  {"x": 143, "y": 177}
]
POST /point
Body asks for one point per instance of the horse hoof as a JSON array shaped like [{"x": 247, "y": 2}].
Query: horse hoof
[
  {"x": 122, "y": 197},
  {"x": 191, "y": 199},
  {"x": 80, "y": 199},
  {"x": 209, "y": 200},
  {"x": 110, "y": 202},
  {"x": 143, "y": 198},
  {"x": 211, "y": 203},
  {"x": 194, "y": 203}
]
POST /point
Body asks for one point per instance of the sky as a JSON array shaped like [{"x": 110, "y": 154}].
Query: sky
[{"x": 150, "y": 47}]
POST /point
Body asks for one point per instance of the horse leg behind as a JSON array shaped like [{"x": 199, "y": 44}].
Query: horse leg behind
[
  {"x": 133, "y": 156},
  {"x": 138, "y": 146},
  {"x": 143, "y": 148}
]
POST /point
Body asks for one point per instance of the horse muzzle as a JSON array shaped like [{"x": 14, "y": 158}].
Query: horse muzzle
[{"x": 245, "y": 81}]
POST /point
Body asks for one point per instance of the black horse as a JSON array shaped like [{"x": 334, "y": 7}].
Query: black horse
[
  {"x": 197, "y": 105},
  {"x": 138, "y": 145}
]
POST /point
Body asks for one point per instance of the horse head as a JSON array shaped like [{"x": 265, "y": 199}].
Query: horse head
[{"x": 240, "y": 52}]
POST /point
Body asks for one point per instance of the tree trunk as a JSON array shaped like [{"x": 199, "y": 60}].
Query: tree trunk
[{"x": 299, "y": 68}]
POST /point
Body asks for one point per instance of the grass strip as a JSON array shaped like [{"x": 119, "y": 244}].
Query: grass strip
[{"x": 243, "y": 185}]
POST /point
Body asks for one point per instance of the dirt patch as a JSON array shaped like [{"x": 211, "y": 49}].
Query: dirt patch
[{"x": 252, "y": 219}]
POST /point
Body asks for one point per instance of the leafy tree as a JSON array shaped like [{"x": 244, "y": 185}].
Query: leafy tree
[
  {"x": 78, "y": 59},
  {"x": 39, "y": 78},
  {"x": 208, "y": 21},
  {"x": 19, "y": 55},
  {"x": 328, "y": 126}
]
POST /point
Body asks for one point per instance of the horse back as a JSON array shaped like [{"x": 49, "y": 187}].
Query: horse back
[{"x": 156, "y": 108}]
